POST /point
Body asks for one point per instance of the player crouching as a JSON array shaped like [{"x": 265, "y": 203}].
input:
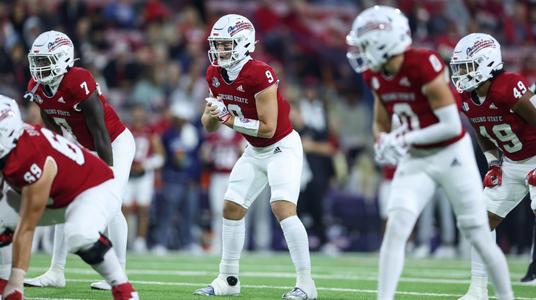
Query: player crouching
[{"x": 49, "y": 176}]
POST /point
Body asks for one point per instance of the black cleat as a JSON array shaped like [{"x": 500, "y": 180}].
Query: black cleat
[{"x": 530, "y": 277}]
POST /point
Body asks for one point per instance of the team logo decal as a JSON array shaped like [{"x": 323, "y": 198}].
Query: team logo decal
[
  {"x": 465, "y": 106},
  {"x": 479, "y": 45},
  {"x": 239, "y": 26},
  {"x": 215, "y": 82},
  {"x": 59, "y": 41},
  {"x": 373, "y": 26}
]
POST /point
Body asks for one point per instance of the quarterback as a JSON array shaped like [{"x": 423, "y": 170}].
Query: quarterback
[{"x": 244, "y": 96}]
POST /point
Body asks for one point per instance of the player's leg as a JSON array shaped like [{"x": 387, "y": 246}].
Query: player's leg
[
  {"x": 218, "y": 185},
  {"x": 284, "y": 169},
  {"x": 530, "y": 276},
  {"x": 144, "y": 199},
  {"x": 466, "y": 196},
  {"x": 8, "y": 222},
  {"x": 448, "y": 228},
  {"x": 5, "y": 265},
  {"x": 425, "y": 228},
  {"x": 86, "y": 217},
  {"x": 411, "y": 189},
  {"x": 246, "y": 181},
  {"x": 123, "y": 148}
]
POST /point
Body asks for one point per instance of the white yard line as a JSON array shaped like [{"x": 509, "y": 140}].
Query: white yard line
[
  {"x": 346, "y": 290},
  {"x": 345, "y": 277}
]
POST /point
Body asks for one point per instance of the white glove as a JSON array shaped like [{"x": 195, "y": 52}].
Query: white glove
[
  {"x": 221, "y": 110},
  {"x": 390, "y": 148}
]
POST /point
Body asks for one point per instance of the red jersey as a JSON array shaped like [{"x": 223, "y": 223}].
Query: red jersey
[
  {"x": 142, "y": 138},
  {"x": 225, "y": 149},
  {"x": 76, "y": 86},
  {"x": 239, "y": 97},
  {"x": 402, "y": 93},
  {"x": 495, "y": 120},
  {"x": 78, "y": 169}
]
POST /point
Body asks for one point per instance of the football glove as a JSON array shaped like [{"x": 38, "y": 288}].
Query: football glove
[
  {"x": 222, "y": 111},
  {"x": 390, "y": 147},
  {"x": 494, "y": 175}
]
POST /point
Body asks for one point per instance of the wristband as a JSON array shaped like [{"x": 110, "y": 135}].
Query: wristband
[{"x": 246, "y": 126}]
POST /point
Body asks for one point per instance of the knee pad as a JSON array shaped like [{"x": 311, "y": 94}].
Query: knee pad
[
  {"x": 95, "y": 254},
  {"x": 467, "y": 222},
  {"x": 6, "y": 237}
]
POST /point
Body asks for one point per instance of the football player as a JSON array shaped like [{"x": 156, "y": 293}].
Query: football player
[
  {"x": 46, "y": 174},
  {"x": 72, "y": 104},
  {"x": 502, "y": 111},
  {"x": 245, "y": 97},
  {"x": 431, "y": 148}
]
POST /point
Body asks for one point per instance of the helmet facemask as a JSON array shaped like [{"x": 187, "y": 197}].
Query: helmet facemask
[
  {"x": 465, "y": 75},
  {"x": 226, "y": 52},
  {"x": 360, "y": 57}
]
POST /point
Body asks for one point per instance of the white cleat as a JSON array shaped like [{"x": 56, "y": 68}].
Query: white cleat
[
  {"x": 101, "y": 286},
  {"x": 220, "y": 286},
  {"x": 51, "y": 278},
  {"x": 302, "y": 292}
]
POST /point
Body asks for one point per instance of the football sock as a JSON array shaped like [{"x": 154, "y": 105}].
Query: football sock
[
  {"x": 298, "y": 246},
  {"x": 533, "y": 250},
  {"x": 5, "y": 261},
  {"x": 59, "y": 250},
  {"x": 233, "y": 236},
  {"x": 478, "y": 268},
  {"x": 493, "y": 258},
  {"x": 399, "y": 226},
  {"x": 118, "y": 235},
  {"x": 110, "y": 269}
]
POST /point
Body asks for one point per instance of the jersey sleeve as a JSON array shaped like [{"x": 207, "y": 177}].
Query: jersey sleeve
[
  {"x": 428, "y": 67},
  {"x": 510, "y": 89},
  {"x": 262, "y": 77},
  {"x": 81, "y": 84},
  {"x": 26, "y": 169}
]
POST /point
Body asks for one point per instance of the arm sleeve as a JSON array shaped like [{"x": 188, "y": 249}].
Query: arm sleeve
[{"x": 449, "y": 126}]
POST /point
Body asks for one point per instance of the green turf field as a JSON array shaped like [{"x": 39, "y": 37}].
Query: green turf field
[{"x": 268, "y": 277}]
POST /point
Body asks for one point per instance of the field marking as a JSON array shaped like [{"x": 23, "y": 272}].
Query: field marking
[
  {"x": 347, "y": 277},
  {"x": 346, "y": 290}
]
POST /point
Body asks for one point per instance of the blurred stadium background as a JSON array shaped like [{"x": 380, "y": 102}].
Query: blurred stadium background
[{"x": 152, "y": 54}]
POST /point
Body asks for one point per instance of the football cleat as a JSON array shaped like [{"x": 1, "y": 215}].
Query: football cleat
[
  {"x": 100, "y": 285},
  {"x": 49, "y": 279},
  {"x": 296, "y": 294},
  {"x": 530, "y": 277},
  {"x": 125, "y": 291},
  {"x": 220, "y": 286}
]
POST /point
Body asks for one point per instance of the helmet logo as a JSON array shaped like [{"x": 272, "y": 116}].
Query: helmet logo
[
  {"x": 479, "y": 45},
  {"x": 372, "y": 26},
  {"x": 59, "y": 41},
  {"x": 239, "y": 26}
]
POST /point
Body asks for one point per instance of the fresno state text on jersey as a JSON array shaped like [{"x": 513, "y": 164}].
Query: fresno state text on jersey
[
  {"x": 78, "y": 169},
  {"x": 402, "y": 94},
  {"x": 495, "y": 120},
  {"x": 239, "y": 97},
  {"x": 76, "y": 86}
]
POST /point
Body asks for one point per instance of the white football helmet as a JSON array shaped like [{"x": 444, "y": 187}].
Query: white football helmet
[
  {"x": 51, "y": 55},
  {"x": 11, "y": 125},
  {"x": 231, "y": 39},
  {"x": 377, "y": 34},
  {"x": 475, "y": 58}
]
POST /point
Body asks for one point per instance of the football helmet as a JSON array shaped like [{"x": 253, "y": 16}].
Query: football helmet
[
  {"x": 11, "y": 125},
  {"x": 475, "y": 58},
  {"x": 231, "y": 39},
  {"x": 51, "y": 55},
  {"x": 377, "y": 34}
]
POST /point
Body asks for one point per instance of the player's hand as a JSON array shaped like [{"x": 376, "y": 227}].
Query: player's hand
[
  {"x": 493, "y": 176},
  {"x": 390, "y": 147},
  {"x": 530, "y": 180},
  {"x": 6, "y": 237},
  {"x": 217, "y": 109}
]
